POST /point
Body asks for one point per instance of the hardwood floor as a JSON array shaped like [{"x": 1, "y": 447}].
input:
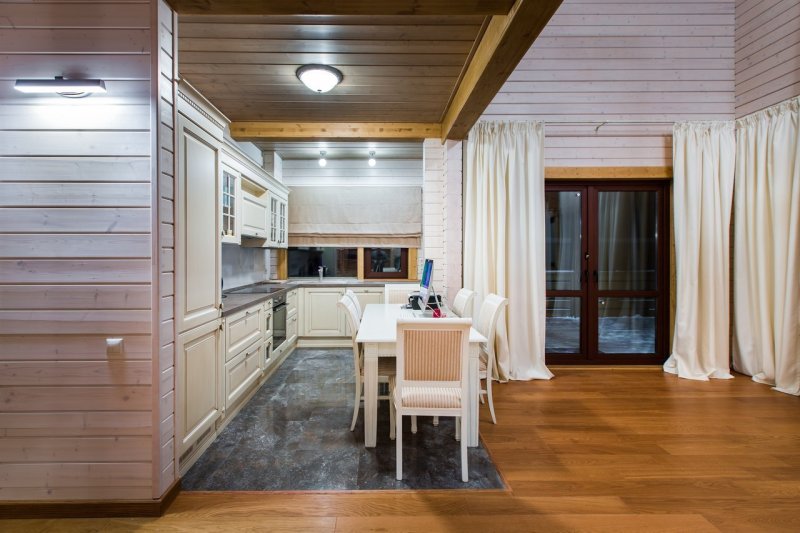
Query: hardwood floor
[{"x": 595, "y": 449}]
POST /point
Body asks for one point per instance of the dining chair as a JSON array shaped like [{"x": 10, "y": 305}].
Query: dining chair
[
  {"x": 386, "y": 366},
  {"x": 491, "y": 309},
  {"x": 462, "y": 303},
  {"x": 352, "y": 295},
  {"x": 432, "y": 376},
  {"x": 397, "y": 293}
]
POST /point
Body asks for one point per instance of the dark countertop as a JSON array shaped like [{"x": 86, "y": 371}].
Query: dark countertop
[{"x": 232, "y": 303}]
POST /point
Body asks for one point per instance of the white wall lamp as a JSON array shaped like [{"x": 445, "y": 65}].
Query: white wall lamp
[
  {"x": 371, "y": 162},
  {"x": 322, "y": 160},
  {"x": 72, "y": 88},
  {"x": 319, "y": 78}
]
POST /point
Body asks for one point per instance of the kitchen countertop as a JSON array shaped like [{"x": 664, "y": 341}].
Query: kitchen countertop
[{"x": 232, "y": 303}]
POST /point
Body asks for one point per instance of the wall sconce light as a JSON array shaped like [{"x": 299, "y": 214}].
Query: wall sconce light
[
  {"x": 72, "y": 88},
  {"x": 322, "y": 161},
  {"x": 319, "y": 78},
  {"x": 371, "y": 162}
]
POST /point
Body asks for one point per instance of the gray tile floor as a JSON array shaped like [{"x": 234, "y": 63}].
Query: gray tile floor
[{"x": 295, "y": 434}]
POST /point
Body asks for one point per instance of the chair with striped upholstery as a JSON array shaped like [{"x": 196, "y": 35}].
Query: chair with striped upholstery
[
  {"x": 432, "y": 376},
  {"x": 462, "y": 303},
  {"x": 491, "y": 309},
  {"x": 386, "y": 365}
]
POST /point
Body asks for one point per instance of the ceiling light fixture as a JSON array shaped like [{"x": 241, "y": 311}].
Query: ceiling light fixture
[
  {"x": 73, "y": 88},
  {"x": 319, "y": 78},
  {"x": 322, "y": 160},
  {"x": 371, "y": 162}
]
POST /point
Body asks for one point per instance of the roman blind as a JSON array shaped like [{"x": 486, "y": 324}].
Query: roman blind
[{"x": 355, "y": 216}]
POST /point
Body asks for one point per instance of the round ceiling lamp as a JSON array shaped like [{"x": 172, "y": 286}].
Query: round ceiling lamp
[
  {"x": 371, "y": 160},
  {"x": 319, "y": 78},
  {"x": 322, "y": 161}
]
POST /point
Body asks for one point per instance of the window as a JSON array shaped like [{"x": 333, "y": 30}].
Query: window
[
  {"x": 385, "y": 263},
  {"x": 304, "y": 262}
]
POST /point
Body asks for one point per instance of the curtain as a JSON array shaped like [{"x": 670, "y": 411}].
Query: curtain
[
  {"x": 356, "y": 216},
  {"x": 703, "y": 161},
  {"x": 767, "y": 247},
  {"x": 504, "y": 245}
]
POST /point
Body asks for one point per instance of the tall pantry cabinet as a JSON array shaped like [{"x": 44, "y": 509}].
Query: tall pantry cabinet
[{"x": 198, "y": 310}]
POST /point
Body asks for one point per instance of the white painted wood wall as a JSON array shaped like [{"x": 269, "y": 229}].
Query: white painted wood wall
[
  {"x": 767, "y": 53},
  {"x": 76, "y": 265},
  {"x": 645, "y": 64}
]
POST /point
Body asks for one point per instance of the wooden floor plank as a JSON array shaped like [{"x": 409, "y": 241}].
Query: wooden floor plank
[{"x": 591, "y": 450}]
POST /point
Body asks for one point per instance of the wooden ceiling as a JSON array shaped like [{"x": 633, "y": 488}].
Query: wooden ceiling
[{"x": 412, "y": 68}]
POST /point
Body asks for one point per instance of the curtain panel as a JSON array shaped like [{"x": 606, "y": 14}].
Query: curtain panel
[
  {"x": 703, "y": 162},
  {"x": 504, "y": 238},
  {"x": 356, "y": 216},
  {"x": 767, "y": 247}
]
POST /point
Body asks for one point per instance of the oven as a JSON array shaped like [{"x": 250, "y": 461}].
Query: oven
[{"x": 278, "y": 321}]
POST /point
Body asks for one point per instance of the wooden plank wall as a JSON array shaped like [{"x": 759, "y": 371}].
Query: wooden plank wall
[
  {"x": 352, "y": 172},
  {"x": 767, "y": 53},
  {"x": 166, "y": 471},
  {"x": 75, "y": 255},
  {"x": 645, "y": 64}
]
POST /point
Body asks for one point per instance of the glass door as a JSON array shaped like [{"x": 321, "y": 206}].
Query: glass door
[{"x": 607, "y": 265}]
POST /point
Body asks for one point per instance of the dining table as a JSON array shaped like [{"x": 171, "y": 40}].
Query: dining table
[{"x": 377, "y": 333}]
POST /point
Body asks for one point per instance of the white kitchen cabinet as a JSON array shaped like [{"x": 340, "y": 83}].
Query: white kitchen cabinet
[
  {"x": 243, "y": 329},
  {"x": 321, "y": 315},
  {"x": 242, "y": 372},
  {"x": 231, "y": 206},
  {"x": 254, "y": 210},
  {"x": 291, "y": 330},
  {"x": 365, "y": 295},
  {"x": 197, "y": 228},
  {"x": 198, "y": 383},
  {"x": 278, "y": 220}
]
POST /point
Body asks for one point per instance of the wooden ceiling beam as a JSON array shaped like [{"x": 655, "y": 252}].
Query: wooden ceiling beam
[
  {"x": 260, "y": 131},
  {"x": 342, "y": 7},
  {"x": 505, "y": 42}
]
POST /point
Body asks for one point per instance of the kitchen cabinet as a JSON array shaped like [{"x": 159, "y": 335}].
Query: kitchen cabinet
[
  {"x": 321, "y": 314},
  {"x": 278, "y": 220},
  {"x": 198, "y": 382},
  {"x": 197, "y": 229},
  {"x": 292, "y": 329},
  {"x": 231, "y": 195},
  {"x": 243, "y": 371},
  {"x": 254, "y": 210},
  {"x": 244, "y": 328}
]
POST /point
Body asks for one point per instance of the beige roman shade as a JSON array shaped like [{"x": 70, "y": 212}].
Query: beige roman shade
[{"x": 355, "y": 216}]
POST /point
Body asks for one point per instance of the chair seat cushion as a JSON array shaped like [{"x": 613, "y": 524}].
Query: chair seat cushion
[
  {"x": 386, "y": 366},
  {"x": 430, "y": 397}
]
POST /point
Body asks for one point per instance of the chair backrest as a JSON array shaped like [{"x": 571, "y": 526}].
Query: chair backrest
[
  {"x": 433, "y": 352},
  {"x": 346, "y": 305},
  {"x": 490, "y": 312},
  {"x": 352, "y": 295},
  {"x": 462, "y": 303},
  {"x": 397, "y": 293}
]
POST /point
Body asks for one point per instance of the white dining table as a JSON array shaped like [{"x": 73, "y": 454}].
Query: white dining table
[{"x": 378, "y": 334}]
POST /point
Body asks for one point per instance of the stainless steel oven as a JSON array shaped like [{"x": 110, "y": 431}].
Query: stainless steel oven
[{"x": 278, "y": 321}]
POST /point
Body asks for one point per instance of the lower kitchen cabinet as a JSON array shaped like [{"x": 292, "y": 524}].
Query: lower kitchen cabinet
[
  {"x": 199, "y": 403},
  {"x": 321, "y": 314},
  {"x": 242, "y": 372},
  {"x": 291, "y": 330}
]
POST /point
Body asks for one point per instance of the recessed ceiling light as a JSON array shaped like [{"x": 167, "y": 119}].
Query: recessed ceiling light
[
  {"x": 73, "y": 88},
  {"x": 319, "y": 78},
  {"x": 322, "y": 160},
  {"x": 371, "y": 162}
]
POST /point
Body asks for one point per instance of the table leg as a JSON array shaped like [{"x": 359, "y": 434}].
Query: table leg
[
  {"x": 370, "y": 395},
  {"x": 474, "y": 388}
]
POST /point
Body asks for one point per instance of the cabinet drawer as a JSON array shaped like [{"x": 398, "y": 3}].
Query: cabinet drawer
[
  {"x": 242, "y": 329},
  {"x": 291, "y": 329},
  {"x": 241, "y": 372},
  {"x": 291, "y": 301}
]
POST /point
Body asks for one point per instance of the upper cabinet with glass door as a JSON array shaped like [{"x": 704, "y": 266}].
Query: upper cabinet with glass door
[
  {"x": 231, "y": 196},
  {"x": 278, "y": 219}
]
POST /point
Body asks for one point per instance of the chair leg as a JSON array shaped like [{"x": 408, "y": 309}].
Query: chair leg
[
  {"x": 435, "y": 420},
  {"x": 357, "y": 403},
  {"x": 414, "y": 424},
  {"x": 464, "y": 465},
  {"x": 458, "y": 428},
  {"x": 489, "y": 398},
  {"x": 392, "y": 416},
  {"x": 399, "y": 445}
]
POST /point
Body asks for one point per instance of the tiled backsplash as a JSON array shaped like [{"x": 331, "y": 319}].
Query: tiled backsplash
[{"x": 244, "y": 266}]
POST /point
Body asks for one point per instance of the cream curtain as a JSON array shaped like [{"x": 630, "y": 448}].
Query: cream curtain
[
  {"x": 355, "y": 216},
  {"x": 767, "y": 247},
  {"x": 703, "y": 161},
  {"x": 504, "y": 245}
]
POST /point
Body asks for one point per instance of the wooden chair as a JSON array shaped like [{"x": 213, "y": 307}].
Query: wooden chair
[
  {"x": 490, "y": 312},
  {"x": 352, "y": 295},
  {"x": 386, "y": 366},
  {"x": 462, "y": 303},
  {"x": 432, "y": 376},
  {"x": 397, "y": 293}
]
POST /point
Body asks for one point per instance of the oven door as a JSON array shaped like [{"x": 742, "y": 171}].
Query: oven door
[{"x": 278, "y": 325}]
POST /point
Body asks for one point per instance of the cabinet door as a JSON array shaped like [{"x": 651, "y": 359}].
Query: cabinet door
[
  {"x": 291, "y": 330},
  {"x": 197, "y": 228},
  {"x": 231, "y": 196},
  {"x": 242, "y": 372},
  {"x": 321, "y": 313},
  {"x": 198, "y": 383},
  {"x": 282, "y": 222},
  {"x": 273, "y": 220},
  {"x": 242, "y": 329},
  {"x": 254, "y": 216}
]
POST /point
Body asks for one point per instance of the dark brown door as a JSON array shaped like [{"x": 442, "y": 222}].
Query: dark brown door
[{"x": 607, "y": 264}]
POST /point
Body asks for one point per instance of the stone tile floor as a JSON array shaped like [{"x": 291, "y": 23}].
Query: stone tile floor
[{"x": 294, "y": 434}]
